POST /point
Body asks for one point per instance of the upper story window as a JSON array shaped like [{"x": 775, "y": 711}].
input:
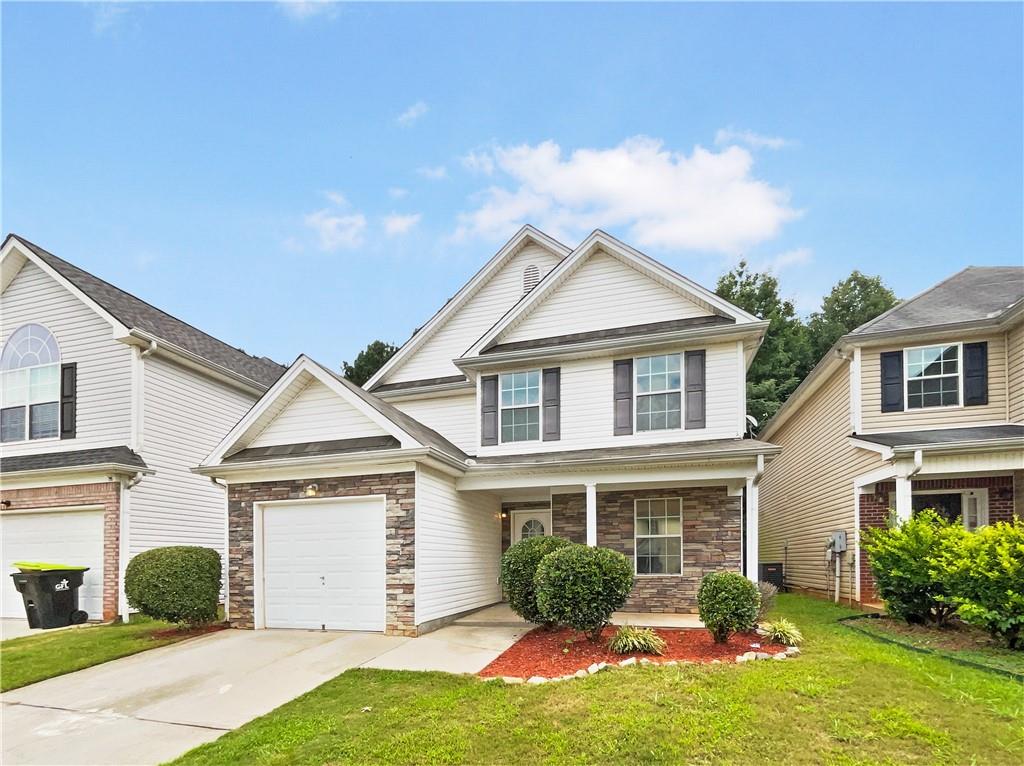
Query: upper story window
[
  {"x": 658, "y": 393},
  {"x": 30, "y": 383},
  {"x": 520, "y": 406},
  {"x": 933, "y": 376}
]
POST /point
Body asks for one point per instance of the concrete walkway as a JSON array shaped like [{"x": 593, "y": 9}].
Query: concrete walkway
[{"x": 154, "y": 706}]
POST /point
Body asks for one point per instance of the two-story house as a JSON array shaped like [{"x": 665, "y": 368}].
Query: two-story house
[
  {"x": 590, "y": 393},
  {"x": 922, "y": 407},
  {"x": 107, "y": 403}
]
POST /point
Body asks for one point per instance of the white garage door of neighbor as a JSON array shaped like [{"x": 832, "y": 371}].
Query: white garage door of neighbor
[
  {"x": 72, "y": 537},
  {"x": 324, "y": 565}
]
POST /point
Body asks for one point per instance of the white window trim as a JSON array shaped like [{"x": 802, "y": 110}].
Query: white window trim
[
  {"x": 539, "y": 405},
  {"x": 682, "y": 399},
  {"x": 980, "y": 492},
  {"x": 960, "y": 379},
  {"x": 636, "y": 537},
  {"x": 28, "y": 404}
]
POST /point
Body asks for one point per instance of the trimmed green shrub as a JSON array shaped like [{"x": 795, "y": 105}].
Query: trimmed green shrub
[
  {"x": 629, "y": 640},
  {"x": 727, "y": 603},
  {"x": 518, "y": 567},
  {"x": 580, "y": 587},
  {"x": 178, "y": 584},
  {"x": 782, "y": 631},
  {"x": 983, "y": 573},
  {"x": 902, "y": 559},
  {"x": 768, "y": 592}
]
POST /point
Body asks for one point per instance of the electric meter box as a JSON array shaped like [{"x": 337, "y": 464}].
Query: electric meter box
[{"x": 839, "y": 541}]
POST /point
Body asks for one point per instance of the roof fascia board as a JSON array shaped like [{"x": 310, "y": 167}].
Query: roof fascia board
[
  {"x": 881, "y": 449},
  {"x": 822, "y": 371},
  {"x": 952, "y": 448},
  {"x": 933, "y": 331},
  {"x": 193, "y": 361},
  {"x": 673, "y": 458},
  {"x": 469, "y": 289},
  {"x": 432, "y": 392},
  {"x": 361, "y": 461},
  {"x": 123, "y": 469}
]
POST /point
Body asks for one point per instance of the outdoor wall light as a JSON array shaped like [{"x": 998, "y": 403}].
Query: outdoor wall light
[
  {"x": 504, "y": 515},
  {"x": 311, "y": 490}
]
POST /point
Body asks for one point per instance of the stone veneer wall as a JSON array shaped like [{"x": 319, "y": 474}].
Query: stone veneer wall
[
  {"x": 506, "y": 521},
  {"x": 400, "y": 492},
  {"x": 106, "y": 494},
  {"x": 712, "y": 537}
]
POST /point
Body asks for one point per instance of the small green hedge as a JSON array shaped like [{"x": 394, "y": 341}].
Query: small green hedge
[
  {"x": 178, "y": 584},
  {"x": 727, "y": 602},
  {"x": 579, "y": 586},
  {"x": 518, "y": 568}
]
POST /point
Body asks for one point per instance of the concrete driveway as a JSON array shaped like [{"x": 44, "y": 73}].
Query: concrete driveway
[{"x": 156, "y": 705}]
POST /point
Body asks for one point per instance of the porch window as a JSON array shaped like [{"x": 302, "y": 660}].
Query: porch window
[
  {"x": 520, "y": 406},
  {"x": 970, "y": 506},
  {"x": 658, "y": 392},
  {"x": 659, "y": 536},
  {"x": 933, "y": 376}
]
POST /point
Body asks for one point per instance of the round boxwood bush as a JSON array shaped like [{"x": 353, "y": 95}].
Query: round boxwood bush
[
  {"x": 580, "y": 587},
  {"x": 727, "y": 603},
  {"x": 518, "y": 567},
  {"x": 178, "y": 584}
]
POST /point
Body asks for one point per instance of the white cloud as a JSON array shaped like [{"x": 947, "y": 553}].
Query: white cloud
[
  {"x": 336, "y": 231},
  {"x": 337, "y": 198},
  {"x": 397, "y": 192},
  {"x": 731, "y": 136},
  {"x": 108, "y": 17},
  {"x": 795, "y": 257},
  {"x": 478, "y": 162},
  {"x": 300, "y": 10},
  {"x": 396, "y": 224},
  {"x": 411, "y": 116},
  {"x": 434, "y": 172},
  {"x": 706, "y": 200}
]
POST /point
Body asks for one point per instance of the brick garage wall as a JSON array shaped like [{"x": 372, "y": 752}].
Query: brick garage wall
[
  {"x": 106, "y": 494},
  {"x": 712, "y": 534},
  {"x": 400, "y": 492},
  {"x": 1003, "y": 496}
]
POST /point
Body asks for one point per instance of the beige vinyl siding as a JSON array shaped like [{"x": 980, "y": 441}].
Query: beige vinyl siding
[
  {"x": 807, "y": 491},
  {"x": 1015, "y": 373},
  {"x": 601, "y": 294},
  {"x": 454, "y": 416},
  {"x": 316, "y": 414},
  {"x": 434, "y": 358},
  {"x": 84, "y": 337},
  {"x": 874, "y": 420}
]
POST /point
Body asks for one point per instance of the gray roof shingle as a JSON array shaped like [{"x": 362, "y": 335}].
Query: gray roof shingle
[
  {"x": 976, "y": 293},
  {"x": 135, "y": 313},
  {"x": 944, "y": 436},
  {"x": 315, "y": 449},
  {"x": 710, "y": 448},
  {"x": 73, "y": 459}
]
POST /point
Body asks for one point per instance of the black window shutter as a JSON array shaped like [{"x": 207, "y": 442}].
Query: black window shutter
[
  {"x": 623, "y": 403},
  {"x": 975, "y": 374},
  {"x": 892, "y": 381},
  {"x": 489, "y": 410},
  {"x": 68, "y": 406},
  {"x": 552, "y": 398},
  {"x": 694, "y": 387}
]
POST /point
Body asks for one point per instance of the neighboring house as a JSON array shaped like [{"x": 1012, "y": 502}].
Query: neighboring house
[
  {"x": 922, "y": 407},
  {"x": 590, "y": 393},
  {"x": 107, "y": 404}
]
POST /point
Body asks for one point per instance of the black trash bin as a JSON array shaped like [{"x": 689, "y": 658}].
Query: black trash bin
[{"x": 50, "y": 593}]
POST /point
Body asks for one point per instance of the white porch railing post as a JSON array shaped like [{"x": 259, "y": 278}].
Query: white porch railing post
[
  {"x": 591, "y": 514},
  {"x": 752, "y": 558},
  {"x": 904, "y": 499}
]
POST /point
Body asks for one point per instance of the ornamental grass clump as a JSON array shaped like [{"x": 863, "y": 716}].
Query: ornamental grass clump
[
  {"x": 768, "y": 593},
  {"x": 579, "y": 587},
  {"x": 782, "y": 631},
  {"x": 632, "y": 640},
  {"x": 727, "y": 603},
  {"x": 518, "y": 568}
]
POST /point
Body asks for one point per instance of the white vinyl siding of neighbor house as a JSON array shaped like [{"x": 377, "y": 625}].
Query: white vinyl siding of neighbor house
[
  {"x": 458, "y": 547},
  {"x": 873, "y": 420},
  {"x": 587, "y": 418},
  {"x": 104, "y": 365},
  {"x": 316, "y": 414},
  {"x": 455, "y": 417},
  {"x": 807, "y": 491},
  {"x": 601, "y": 294},
  {"x": 1015, "y": 376},
  {"x": 185, "y": 417},
  {"x": 466, "y": 325}
]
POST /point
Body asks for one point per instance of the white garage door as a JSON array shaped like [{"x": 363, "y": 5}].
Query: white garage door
[
  {"x": 324, "y": 565},
  {"x": 60, "y": 538}
]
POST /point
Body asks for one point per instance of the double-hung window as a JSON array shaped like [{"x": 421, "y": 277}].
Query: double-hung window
[
  {"x": 659, "y": 536},
  {"x": 933, "y": 376},
  {"x": 520, "y": 406},
  {"x": 30, "y": 385},
  {"x": 658, "y": 393}
]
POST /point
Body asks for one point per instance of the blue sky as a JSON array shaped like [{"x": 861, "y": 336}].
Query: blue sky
[{"x": 307, "y": 178}]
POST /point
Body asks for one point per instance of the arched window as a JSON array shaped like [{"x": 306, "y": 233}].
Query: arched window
[
  {"x": 531, "y": 276},
  {"x": 30, "y": 395}
]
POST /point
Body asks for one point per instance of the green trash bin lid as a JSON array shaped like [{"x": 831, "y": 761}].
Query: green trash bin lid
[{"x": 43, "y": 566}]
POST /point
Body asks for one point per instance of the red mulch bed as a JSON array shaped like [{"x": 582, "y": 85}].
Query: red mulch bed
[
  {"x": 202, "y": 630},
  {"x": 541, "y": 652}
]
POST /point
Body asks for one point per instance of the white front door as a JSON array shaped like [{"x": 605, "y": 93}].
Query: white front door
[
  {"x": 324, "y": 564},
  {"x": 530, "y": 524}
]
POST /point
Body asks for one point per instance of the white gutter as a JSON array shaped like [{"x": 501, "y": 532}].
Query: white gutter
[
  {"x": 113, "y": 468},
  {"x": 380, "y": 457},
  {"x": 674, "y": 457},
  {"x": 195, "y": 360}
]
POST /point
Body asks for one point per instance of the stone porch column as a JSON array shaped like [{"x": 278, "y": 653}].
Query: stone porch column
[{"x": 591, "y": 514}]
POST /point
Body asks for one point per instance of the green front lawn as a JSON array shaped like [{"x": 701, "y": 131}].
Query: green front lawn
[
  {"x": 34, "y": 658},
  {"x": 846, "y": 700}
]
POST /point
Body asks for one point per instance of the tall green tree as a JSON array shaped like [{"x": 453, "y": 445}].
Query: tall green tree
[
  {"x": 368, "y": 361},
  {"x": 852, "y": 302},
  {"x": 784, "y": 357}
]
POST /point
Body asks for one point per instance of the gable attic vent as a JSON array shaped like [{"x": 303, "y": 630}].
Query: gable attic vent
[{"x": 531, "y": 276}]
